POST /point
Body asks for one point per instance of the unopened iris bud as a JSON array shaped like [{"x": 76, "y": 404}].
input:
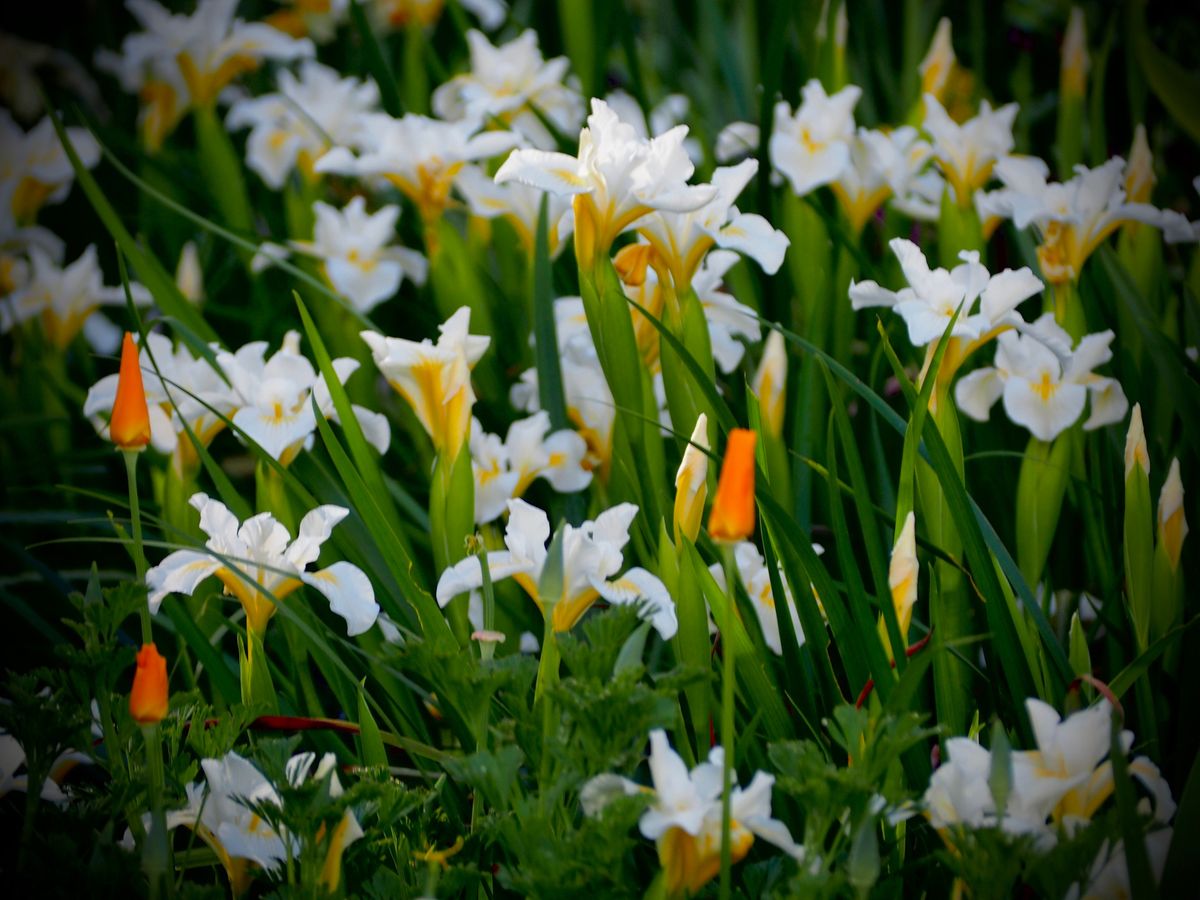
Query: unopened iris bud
[
  {"x": 732, "y": 516},
  {"x": 1136, "y": 453},
  {"x": 938, "y": 62},
  {"x": 902, "y": 574},
  {"x": 148, "y": 699},
  {"x": 770, "y": 384},
  {"x": 691, "y": 483},
  {"x": 1139, "y": 173},
  {"x": 1075, "y": 61},
  {"x": 129, "y": 426},
  {"x": 1172, "y": 524}
]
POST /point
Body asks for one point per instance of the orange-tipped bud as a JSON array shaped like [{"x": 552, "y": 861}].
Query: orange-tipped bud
[
  {"x": 732, "y": 516},
  {"x": 129, "y": 426},
  {"x": 148, "y": 699}
]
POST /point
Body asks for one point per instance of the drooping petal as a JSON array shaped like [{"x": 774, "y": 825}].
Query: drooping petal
[
  {"x": 1109, "y": 403},
  {"x": 466, "y": 575},
  {"x": 1007, "y": 290},
  {"x": 867, "y": 293},
  {"x": 179, "y": 573},
  {"x": 349, "y": 592},
  {"x": 315, "y": 529},
  {"x": 639, "y": 586},
  {"x": 553, "y": 172},
  {"x": 753, "y": 235}
]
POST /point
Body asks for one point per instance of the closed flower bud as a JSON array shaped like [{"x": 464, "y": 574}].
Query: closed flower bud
[
  {"x": 129, "y": 426},
  {"x": 1139, "y": 173},
  {"x": 691, "y": 484},
  {"x": 148, "y": 699},
  {"x": 1075, "y": 61},
  {"x": 902, "y": 574},
  {"x": 1135, "y": 444},
  {"x": 732, "y": 516},
  {"x": 1172, "y": 524},
  {"x": 770, "y": 384}
]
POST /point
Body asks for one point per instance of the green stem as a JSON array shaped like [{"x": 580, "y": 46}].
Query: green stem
[
  {"x": 487, "y": 649},
  {"x": 546, "y": 677},
  {"x": 139, "y": 551},
  {"x": 156, "y": 859},
  {"x": 727, "y": 676}
]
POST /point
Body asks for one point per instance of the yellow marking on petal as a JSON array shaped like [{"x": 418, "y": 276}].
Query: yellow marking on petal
[
  {"x": 1046, "y": 388},
  {"x": 28, "y": 198},
  {"x": 569, "y": 177}
]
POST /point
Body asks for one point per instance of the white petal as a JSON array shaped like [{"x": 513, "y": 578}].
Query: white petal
[
  {"x": 977, "y": 392},
  {"x": 1109, "y": 403},
  {"x": 349, "y": 593},
  {"x": 315, "y": 529},
  {"x": 638, "y": 585},
  {"x": 556, "y": 173},
  {"x": 598, "y": 792},
  {"x": 753, "y": 235},
  {"x": 179, "y": 573},
  {"x": 466, "y": 575},
  {"x": 1044, "y": 419},
  {"x": 867, "y": 293},
  {"x": 1007, "y": 290}
]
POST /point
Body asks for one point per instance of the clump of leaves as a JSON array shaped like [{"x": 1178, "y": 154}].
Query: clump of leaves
[
  {"x": 853, "y": 814},
  {"x": 555, "y": 851}
]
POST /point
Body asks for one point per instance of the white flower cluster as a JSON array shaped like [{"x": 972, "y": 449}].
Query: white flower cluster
[{"x": 1060, "y": 785}]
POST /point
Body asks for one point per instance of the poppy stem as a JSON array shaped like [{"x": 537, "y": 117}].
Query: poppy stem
[
  {"x": 727, "y": 701},
  {"x": 139, "y": 550}
]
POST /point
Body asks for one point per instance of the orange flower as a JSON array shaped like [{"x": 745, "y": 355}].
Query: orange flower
[
  {"x": 732, "y": 516},
  {"x": 148, "y": 699},
  {"x": 129, "y": 426}
]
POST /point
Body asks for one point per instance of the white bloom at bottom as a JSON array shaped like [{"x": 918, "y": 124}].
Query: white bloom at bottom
[
  {"x": 222, "y": 813},
  {"x": 685, "y": 817},
  {"x": 1109, "y": 876},
  {"x": 1062, "y": 784}
]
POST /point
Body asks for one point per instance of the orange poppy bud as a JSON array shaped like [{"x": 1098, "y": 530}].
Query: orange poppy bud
[
  {"x": 129, "y": 426},
  {"x": 148, "y": 699},
  {"x": 732, "y": 515}
]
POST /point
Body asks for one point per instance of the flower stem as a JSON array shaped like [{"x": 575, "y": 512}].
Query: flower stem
[
  {"x": 727, "y": 676},
  {"x": 156, "y": 852},
  {"x": 139, "y": 551}
]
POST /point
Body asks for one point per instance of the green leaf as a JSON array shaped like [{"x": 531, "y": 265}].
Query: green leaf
[
  {"x": 1141, "y": 881},
  {"x": 551, "y": 396},
  {"x": 1182, "y": 870},
  {"x": 373, "y": 751},
  {"x": 863, "y": 622},
  {"x": 762, "y": 695},
  {"x": 366, "y": 459},
  {"x": 1166, "y": 355},
  {"x": 377, "y": 64},
  {"x": 432, "y": 623},
  {"x": 1174, "y": 85},
  {"x": 1129, "y": 675}
]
